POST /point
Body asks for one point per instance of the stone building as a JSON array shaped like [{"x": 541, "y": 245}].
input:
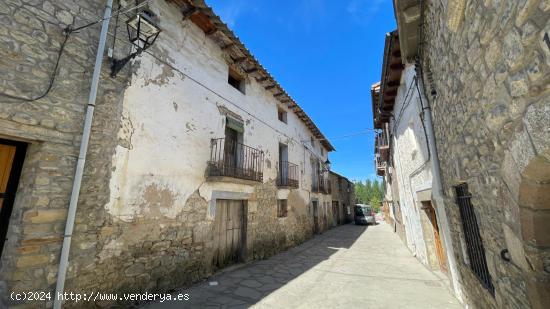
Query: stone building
[
  {"x": 404, "y": 160},
  {"x": 191, "y": 136},
  {"x": 484, "y": 67},
  {"x": 343, "y": 198}
]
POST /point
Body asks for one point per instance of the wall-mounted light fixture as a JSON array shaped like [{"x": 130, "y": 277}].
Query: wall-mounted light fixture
[
  {"x": 327, "y": 164},
  {"x": 142, "y": 32}
]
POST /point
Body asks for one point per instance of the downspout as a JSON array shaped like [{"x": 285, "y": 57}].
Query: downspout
[
  {"x": 437, "y": 183},
  {"x": 64, "y": 259}
]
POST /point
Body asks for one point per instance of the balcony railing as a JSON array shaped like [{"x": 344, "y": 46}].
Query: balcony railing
[
  {"x": 287, "y": 175},
  {"x": 383, "y": 142},
  {"x": 321, "y": 185},
  {"x": 233, "y": 159},
  {"x": 380, "y": 165}
]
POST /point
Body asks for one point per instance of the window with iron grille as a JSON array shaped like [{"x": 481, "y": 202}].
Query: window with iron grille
[
  {"x": 474, "y": 244},
  {"x": 282, "y": 208}
]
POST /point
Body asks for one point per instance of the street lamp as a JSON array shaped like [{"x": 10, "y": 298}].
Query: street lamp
[
  {"x": 142, "y": 32},
  {"x": 327, "y": 164}
]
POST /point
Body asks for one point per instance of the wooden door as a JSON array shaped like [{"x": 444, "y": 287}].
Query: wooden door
[
  {"x": 7, "y": 155},
  {"x": 230, "y": 231},
  {"x": 12, "y": 155},
  {"x": 231, "y": 151},
  {"x": 335, "y": 213},
  {"x": 440, "y": 252},
  {"x": 315, "y": 217}
]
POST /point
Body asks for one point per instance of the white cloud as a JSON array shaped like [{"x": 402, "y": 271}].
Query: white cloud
[{"x": 230, "y": 11}]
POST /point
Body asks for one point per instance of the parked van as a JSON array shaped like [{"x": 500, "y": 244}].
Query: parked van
[{"x": 364, "y": 214}]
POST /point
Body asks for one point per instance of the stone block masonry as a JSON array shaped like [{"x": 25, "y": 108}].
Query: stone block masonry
[
  {"x": 490, "y": 66},
  {"x": 32, "y": 33}
]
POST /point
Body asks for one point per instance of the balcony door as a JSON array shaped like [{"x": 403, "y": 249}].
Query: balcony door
[
  {"x": 283, "y": 164},
  {"x": 315, "y": 168},
  {"x": 233, "y": 151},
  {"x": 12, "y": 155}
]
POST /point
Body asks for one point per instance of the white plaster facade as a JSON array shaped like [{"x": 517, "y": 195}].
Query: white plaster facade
[
  {"x": 413, "y": 169},
  {"x": 172, "y": 113},
  {"x": 410, "y": 154}
]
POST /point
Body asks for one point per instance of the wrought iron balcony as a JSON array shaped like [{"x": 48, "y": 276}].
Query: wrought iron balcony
[
  {"x": 322, "y": 185},
  {"x": 232, "y": 159},
  {"x": 383, "y": 142},
  {"x": 287, "y": 175},
  {"x": 380, "y": 165}
]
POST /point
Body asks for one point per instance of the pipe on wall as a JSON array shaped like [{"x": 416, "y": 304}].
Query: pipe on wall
[{"x": 64, "y": 259}]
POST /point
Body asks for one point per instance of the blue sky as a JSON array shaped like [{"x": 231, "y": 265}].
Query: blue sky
[{"x": 326, "y": 54}]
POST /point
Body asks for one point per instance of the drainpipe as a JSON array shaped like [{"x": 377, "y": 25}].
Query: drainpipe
[
  {"x": 64, "y": 260},
  {"x": 437, "y": 183},
  {"x": 437, "y": 191}
]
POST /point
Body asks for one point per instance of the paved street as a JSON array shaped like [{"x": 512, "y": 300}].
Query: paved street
[{"x": 346, "y": 267}]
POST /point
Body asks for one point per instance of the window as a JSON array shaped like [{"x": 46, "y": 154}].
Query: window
[
  {"x": 312, "y": 140},
  {"x": 282, "y": 208},
  {"x": 474, "y": 244},
  {"x": 235, "y": 80},
  {"x": 281, "y": 113}
]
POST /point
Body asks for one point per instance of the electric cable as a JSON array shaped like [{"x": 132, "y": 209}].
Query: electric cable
[
  {"x": 68, "y": 31},
  {"x": 52, "y": 78}
]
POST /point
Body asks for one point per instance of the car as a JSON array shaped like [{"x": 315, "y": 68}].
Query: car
[{"x": 364, "y": 214}]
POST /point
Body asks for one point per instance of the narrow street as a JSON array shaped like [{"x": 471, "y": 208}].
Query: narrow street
[{"x": 347, "y": 267}]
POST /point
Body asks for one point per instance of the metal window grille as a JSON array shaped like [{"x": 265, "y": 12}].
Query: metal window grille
[{"x": 474, "y": 244}]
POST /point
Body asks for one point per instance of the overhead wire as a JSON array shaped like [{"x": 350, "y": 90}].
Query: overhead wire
[
  {"x": 198, "y": 82},
  {"x": 67, "y": 32}
]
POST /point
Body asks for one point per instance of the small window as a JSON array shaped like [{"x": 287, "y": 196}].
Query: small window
[
  {"x": 312, "y": 143},
  {"x": 282, "y": 208},
  {"x": 472, "y": 235},
  {"x": 235, "y": 80},
  {"x": 281, "y": 113}
]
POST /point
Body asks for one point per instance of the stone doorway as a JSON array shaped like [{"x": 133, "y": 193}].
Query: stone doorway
[{"x": 12, "y": 155}]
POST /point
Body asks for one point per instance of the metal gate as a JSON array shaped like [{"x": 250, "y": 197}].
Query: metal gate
[
  {"x": 230, "y": 232},
  {"x": 474, "y": 244}
]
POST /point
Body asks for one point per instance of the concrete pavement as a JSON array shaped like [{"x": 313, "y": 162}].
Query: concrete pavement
[{"x": 347, "y": 267}]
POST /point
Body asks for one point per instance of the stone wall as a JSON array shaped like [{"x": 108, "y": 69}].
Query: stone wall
[
  {"x": 487, "y": 64},
  {"x": 343, "y": 191},
  {"x": 31, "y": 33}
]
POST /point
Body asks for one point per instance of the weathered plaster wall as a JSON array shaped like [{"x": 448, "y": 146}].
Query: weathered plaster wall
[
  {"x": 343, "y": 192},
  {"x": 410, "y": 155},
  {"x": 158, "y": 231},
  {"x": 490, "y": 66}
]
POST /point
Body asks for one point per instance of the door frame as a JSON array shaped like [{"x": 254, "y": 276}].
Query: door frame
[
  {"x": 11, "y": 188},
  {"x": 438, "y": 244},
  {"x": 242, "y": 250},
  {"x": 315, "y": 208}
]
